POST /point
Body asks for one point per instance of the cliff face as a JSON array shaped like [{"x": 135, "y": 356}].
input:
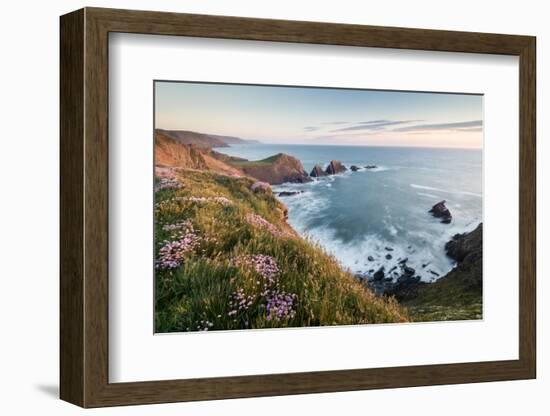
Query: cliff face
[
  {"x": 171, "y": 153},
  {"x": 458, "y": 294},
  {"x": 274, "y": 170}
]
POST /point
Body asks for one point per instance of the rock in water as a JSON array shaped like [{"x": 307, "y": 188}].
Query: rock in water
[
  {"x": 354, "y": 168},
  {"x": 290, "y": 193},
  {"x": 317, "y": 172},
  {"x": 408, "y": 271},
  {"x": 439, "y": 210},
  {"x": 371, "y": 167},
  {"x": 334, "y": 167},
  {"x": 379, "y": 275}
]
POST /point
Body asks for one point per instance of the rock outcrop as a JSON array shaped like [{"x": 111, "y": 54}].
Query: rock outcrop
[
  {"x": 290, "y": 193},
  {"x": 334, "y": 167},
  {"x": 439, "y": 210},
  {"x": 354, "y": 168},
  {"x": 317, "y": 172},
  {"x": 275, "y": 170},
  {"x": 461, "y": 286},
  {"x": 262, "y": 187},
  {"x": 465, "y": 245}
]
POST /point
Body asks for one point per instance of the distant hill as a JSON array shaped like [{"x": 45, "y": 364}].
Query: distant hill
[
  {"x": 190, "y": 150},
  {"x": 202, "y": 139},
  {"x": 172, "y": 153}
]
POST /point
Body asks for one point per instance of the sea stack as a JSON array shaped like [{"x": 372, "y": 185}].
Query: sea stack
[
  {"x": 317, "y": 172},
  {"x": 439, "y": 210},
  {"x": 334, "y": 167}
]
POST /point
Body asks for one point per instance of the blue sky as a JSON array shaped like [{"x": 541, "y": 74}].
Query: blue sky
[{"x": 320, "y": 115}]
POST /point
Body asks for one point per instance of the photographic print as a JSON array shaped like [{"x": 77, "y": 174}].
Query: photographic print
[{"x": 295, "y": 206}]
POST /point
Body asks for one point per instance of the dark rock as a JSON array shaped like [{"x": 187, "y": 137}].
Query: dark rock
[
  {"x": 371, "y": 167},
  {"x": 389, "y": 256},
  {"x": 406, "y": 288},
  {"x": 463, "y": 284},
  {"x": 408, "y": 271},
  {"x": 370, "y": 258},
  {"x": 371, "y": 270},
  {"x": 464, "y": 244},
  {"x": 290, "y": 193},
  {"x": 392, "y": 269},
  {"x": 389, "y": 248},
  {"x": 379, "y": 275},
  {"x": 439, "y": 210},
  {"x": 354, "y": 168},
  {"x": 334, "y": 167},
  {"x": 317, "y": 172},
  {"x": 406, "y": 259}
]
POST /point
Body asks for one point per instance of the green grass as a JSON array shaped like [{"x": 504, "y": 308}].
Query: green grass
[
  {"x": 198, "y": 293},
  {"x": 431, "y": 313},
  {"x": 249, "y": 163},
  {"x": 453, "y": 297}
]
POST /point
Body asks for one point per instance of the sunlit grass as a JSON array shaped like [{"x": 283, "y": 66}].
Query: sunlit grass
[{"x": 205, "y": 289}]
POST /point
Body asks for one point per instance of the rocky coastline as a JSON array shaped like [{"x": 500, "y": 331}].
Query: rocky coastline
[{"x": 462, "y": 286}]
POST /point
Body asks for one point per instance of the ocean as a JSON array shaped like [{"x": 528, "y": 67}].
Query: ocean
[{"x": 383, "y": 211}]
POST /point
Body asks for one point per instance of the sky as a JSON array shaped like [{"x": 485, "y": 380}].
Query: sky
[{"x": 308, "y": 115}]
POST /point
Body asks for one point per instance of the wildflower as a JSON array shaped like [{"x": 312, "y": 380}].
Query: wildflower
[
  {"x": 265, "y": 265},
  {"x": 204, "y": 325},
  {"x": 280, "y": 306},
  {"x": 239, "y": 302},
  {"x": 168, "y": 183},
  {"x": 204, "y": 199},
  {"x": 185, "y": 225},
  {"x": 172, "y": 253},
  {"x": 164, "y": 172},
  {"x": 261, "y": 222}
]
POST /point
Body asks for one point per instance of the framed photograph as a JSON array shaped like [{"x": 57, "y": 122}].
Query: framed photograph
[{"x": 257, "y": 207}]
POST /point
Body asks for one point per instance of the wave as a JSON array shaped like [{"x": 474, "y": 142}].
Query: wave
[
  {"x": 427, "y": 195},
  {"x": 431, "y": 188},
  {"x": 430, "y": 263}
]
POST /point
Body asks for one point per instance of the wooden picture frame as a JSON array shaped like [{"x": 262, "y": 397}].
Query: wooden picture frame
[{"x": 84, "y": 207}]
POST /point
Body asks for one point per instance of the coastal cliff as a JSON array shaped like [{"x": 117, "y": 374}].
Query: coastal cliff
[
  {"x": 172, "y": 150},
  {"x": 275, "y": 170},
  {"x": 458, "y": 294},
  {"x": 219, "y": 227},
  {"x": 227, "y": 259}
]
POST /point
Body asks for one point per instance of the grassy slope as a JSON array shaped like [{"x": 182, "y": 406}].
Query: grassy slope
[
  {"x": 246, "y": 163},
  {"x": 456, "y": 296},
  {"x": 198, "y": 293}
]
